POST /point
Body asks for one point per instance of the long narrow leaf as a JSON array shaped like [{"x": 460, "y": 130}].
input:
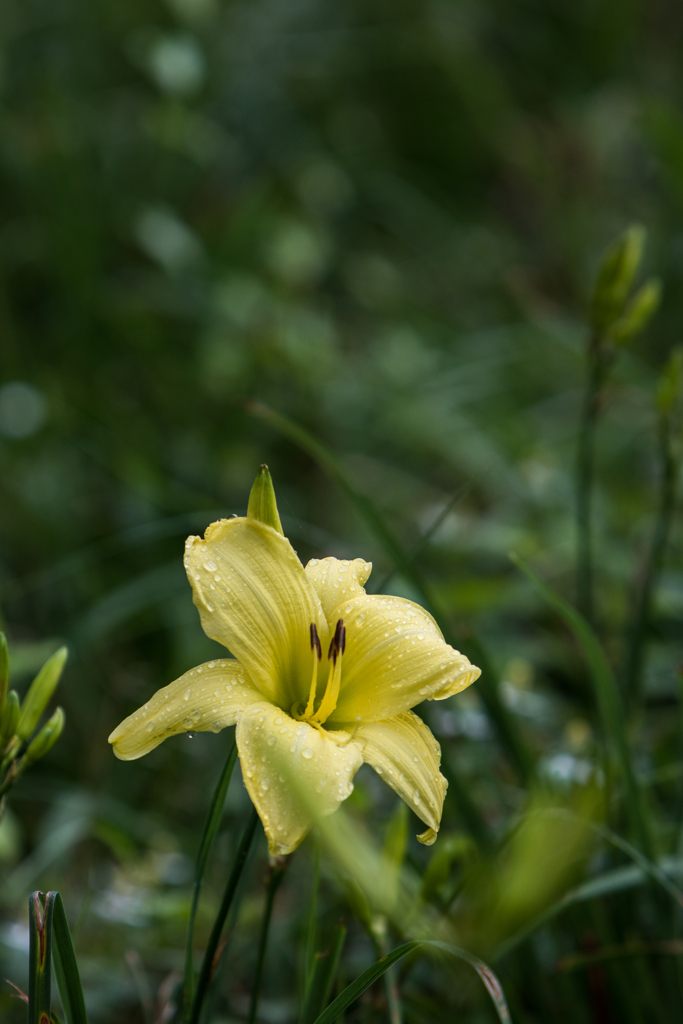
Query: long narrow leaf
[
  {"x": 608, "y": 698},
  {"x": 509, "y": 736},
  {"x": 66, "y": 968},
  {"x": 40, "y": 958},
  {"x": 211, "y": 826},
  {"x": 357, "y": 987}
]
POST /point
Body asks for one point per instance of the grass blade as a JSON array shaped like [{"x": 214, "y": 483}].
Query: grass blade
[
  {"x": 357, "y": 987},
  {"x": 66, "y": 968},
  {"x": 228, "y": 896},
  {"x": 40, "y": 958},
  {"x": 213, "y": 821},
  {"x": 508, "y": 734},
  {"x": 608, "y": 699}
]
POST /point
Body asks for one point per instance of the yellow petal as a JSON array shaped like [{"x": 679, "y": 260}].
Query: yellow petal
[
  {"x": 336, "y": 581},
  {"x": 254, "y": 597},
  {"x": 395, "y": 658},
  {"x": 404, "y": 752},
  {"x": 294, "y": 773},
  {"x": 206, "y": 699}
]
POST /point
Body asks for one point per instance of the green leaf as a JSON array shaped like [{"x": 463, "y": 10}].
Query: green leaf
[
  {"x": 211, "y": 826},
  {"x": 357, "y": 987},
  {"x": 40, "y": 692},
  {"x": 608, "y": 698},
  {"x": 66, "y": 968},
  {"x": 262, "y": 504}
]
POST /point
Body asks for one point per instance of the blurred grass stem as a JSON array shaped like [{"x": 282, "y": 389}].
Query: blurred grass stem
[
  {"x": 654, "y": 561},
  {"x": 585, "y": 476},
  {"x": 274, "y": 878},
  {"x": 210, "y": 829},
  {"x": 208, "y": 963}
]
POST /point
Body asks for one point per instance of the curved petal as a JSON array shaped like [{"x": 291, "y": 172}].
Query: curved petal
[
  {"x": 395, "y": 658},
  {"x": 404, "y": 752},
  {"x": 254, "y": 597},
  {"x": 337, "y": 580},
  {"x": 206, "y": 699},
  {"x": 293, "y": 772}
]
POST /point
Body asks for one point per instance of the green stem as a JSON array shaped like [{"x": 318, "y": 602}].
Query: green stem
[
  {"x": 210, "y": 829},
  {"x": 653, "y": 564},
  {"x": 585, "y": 473},
  {"x": 275, "y": 875},
  {"x": 228, "y": 897}
]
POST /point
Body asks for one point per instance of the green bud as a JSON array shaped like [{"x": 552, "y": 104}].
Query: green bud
[
  {"x": 638, "y": 313},
  {"x": 4, "y": 670},
  {"x": 669, "y": 388},
  {"x": 615, "y": 277},
  {"x": 9, "y": 718},
  {"x": 262, "y": 504},
  {"x": 40, "y": 692},
  {"x": 45, "y": 740}
]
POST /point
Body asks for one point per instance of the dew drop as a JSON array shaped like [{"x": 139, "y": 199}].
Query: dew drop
[
  {"x": 307, "y": 753},
  {"x": 210, "y": 565},
  {"x": 271, "y": 741},
  {"x": 190, "y": 735}
]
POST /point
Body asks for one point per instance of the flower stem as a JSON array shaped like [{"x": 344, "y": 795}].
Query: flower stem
[
  {"x": 275, "y": 875},
  {"x": 585, "y": 473},
  {"x": 653, "y": 563},
  {"x": 210, "y": 829},
  {"x": 228, "y": 897}
]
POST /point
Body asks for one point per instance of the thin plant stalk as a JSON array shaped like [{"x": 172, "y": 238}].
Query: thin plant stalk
[
  {"x": 637, "y": 638},
  {"x": 207, "y": 967},
  {"x": 312, "y": 928},
  {"x": 275, "y": 875},
  {"x": 210, "y": 830},
  {"x": 585, "y": 476}
]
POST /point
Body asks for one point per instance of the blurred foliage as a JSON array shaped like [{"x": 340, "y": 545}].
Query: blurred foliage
[{"x": 383, "y": 220}]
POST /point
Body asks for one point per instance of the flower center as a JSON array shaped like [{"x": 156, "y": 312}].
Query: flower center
[{"x": 331, "y": 695}]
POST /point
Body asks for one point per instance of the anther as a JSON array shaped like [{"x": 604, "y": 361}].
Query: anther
[
  {"x": 338, "y": 642},
  {"x": 315, "y": 641}
]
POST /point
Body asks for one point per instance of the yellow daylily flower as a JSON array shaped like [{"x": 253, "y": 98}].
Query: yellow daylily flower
[{"x": 322, "y": 679}]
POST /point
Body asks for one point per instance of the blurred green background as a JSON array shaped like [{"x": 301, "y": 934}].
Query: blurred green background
[{"x": 381, "y": 219}]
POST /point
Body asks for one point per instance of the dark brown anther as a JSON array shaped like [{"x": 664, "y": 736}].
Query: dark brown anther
[
  {"x": 315, "y": 641},
  {"x": 338, "y": 642}
]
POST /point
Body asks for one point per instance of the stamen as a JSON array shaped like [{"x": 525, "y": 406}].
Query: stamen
[
  {"x": 337, "y": 648},
  {"x": 317, "y": 652}
]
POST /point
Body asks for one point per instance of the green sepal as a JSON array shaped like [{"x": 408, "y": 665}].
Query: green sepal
[
  {"x": 9, "y": 718},
  {"x": 4, "y": 670},
  {"x": 638, "y": 313},
  {"x": 45, "y": 740},
  {"x": 40, "y": 692},
  {"x": 262, "y": 504},
  {"x": 615, "y": 277}
]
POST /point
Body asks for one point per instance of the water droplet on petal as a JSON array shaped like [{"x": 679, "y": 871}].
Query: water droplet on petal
[{"x": 307, "y": 753}]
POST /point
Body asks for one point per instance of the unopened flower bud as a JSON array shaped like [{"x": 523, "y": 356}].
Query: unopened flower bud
[
  {"x": 9, "y": 719},
  {"x": 638, "y": 313},
  {"x": 45, "y": 740},
  {"x": 262, "y": 504},
  {"x": 615, "y": 277},
  {"x": 40, "y": 692}
]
